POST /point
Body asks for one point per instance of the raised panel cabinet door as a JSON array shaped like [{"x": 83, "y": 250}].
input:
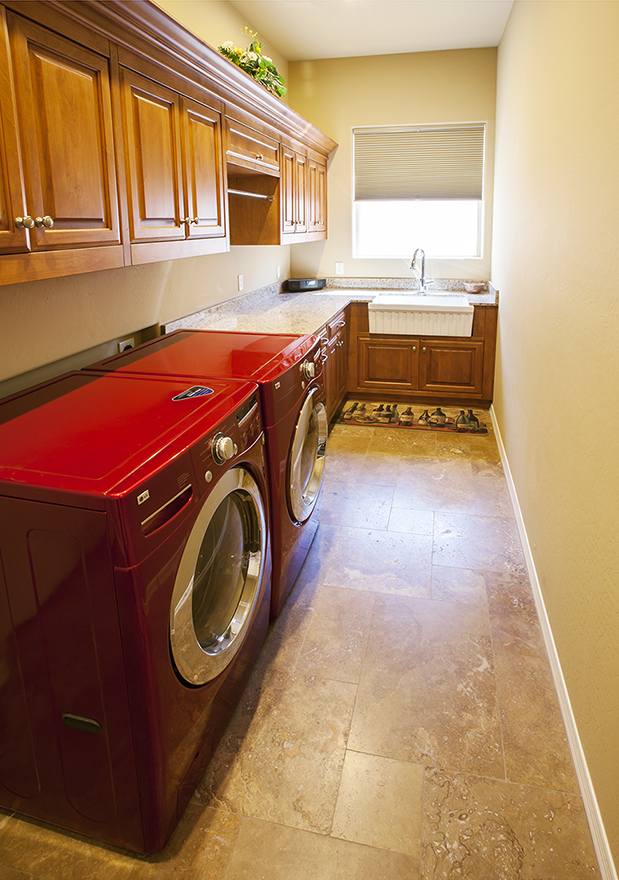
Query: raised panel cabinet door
[
  {"x": 153, "y": 157},
  {"x": 12, "y": 238},
  {"x": 204, "y": 174},
  {"x": 387, "y": 364},
  {"x": 288, "y": 196},
  {"x": 316, "y": 196},
  {"x": 451, "y": 366},
  {"x": 301, "y": 192},
  {"x": 67, "y": 143}
]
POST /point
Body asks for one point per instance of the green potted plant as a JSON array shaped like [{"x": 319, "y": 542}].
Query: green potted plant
[{"x": 253, "y": 62}]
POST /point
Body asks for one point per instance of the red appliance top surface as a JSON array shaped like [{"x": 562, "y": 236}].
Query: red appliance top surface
[
  {"x": 253, "y": 356},
  {"x": 86, "y": 432}
]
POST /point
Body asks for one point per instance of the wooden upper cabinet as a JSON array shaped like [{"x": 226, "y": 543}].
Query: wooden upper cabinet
[
  {"x": 153, "y": 156},
  {"x": 316, "y": 195},
  {"x": 293, "y": 191},
  {"x": 12, "y": 239},
  {"x": 64, "y": 115},
  {"x": 204, "y": 181},
  {"x": 173, "y": 153}
]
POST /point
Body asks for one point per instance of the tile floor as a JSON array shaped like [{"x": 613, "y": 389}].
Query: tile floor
[{"x": 401, "y": 722}]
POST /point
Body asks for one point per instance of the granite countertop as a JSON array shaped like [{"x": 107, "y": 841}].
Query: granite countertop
[{"x": 269, "y": 311}]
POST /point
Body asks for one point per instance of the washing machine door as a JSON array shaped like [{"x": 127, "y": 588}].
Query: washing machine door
[
  {"x": 307, "y": 459},
  {"x": 218, "y": 579}
]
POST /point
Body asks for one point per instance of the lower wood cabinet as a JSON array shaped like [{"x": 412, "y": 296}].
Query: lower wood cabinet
[
  {"x": 407, "y": 363},
  {"x": 335, "y": 336},
  {"x": 437, "y": 368}
]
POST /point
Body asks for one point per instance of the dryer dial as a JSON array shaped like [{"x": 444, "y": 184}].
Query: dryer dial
[
  {"x": 308, "y": 369},
  {"x": 224, "y": 448}
]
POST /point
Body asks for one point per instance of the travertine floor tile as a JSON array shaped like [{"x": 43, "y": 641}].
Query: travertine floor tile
[
  {"x": 427, "y": 688},
  {"x": 273, "y": 852},
  {"x": 379, "y": 803},
  {"x": 458, "y": 585},
  {"x": 12, "y": 874},
  {"x": 480, "y": 543},
  {"x": 482, "y": 829},
  {"x": 199, "y": 849},
  {"x": 359, "y": 430},
  {"x": 486, "y": 467},
  {"x": 513, "y": 617},
  {"x": 361, "y": 505},
  {"x": 336, "y": 638},
  {"x": 383, "y": 562},
  {"x": 345, "y": 457},
  {"x": 413, "y": 522},
  {"x": 286, "y": 635},
  {"x": 534, "y": 739},
  {"x": 380, "y": 469},
  {"x": 405, "y": 444},
  {"x": 492, "y": 497},
  {"x": 433, "y": 484},
  {"x": 36, "y": 849},
  {"x": 282, "y": 754}
]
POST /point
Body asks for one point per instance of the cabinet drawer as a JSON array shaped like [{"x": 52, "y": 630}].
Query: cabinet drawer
[
  {"x": 251, "y": 149},
  {"x": 336, "y": 324}
]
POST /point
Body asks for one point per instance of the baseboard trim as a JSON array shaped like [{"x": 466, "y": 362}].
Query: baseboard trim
[{"x": 594, "y": 817}]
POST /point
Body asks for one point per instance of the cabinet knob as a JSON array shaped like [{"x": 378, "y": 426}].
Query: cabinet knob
[
  {"x": 414, "y": 348},
  {"x": 341, "y": 324},
  {"x": 46, "y": 221},
  {"x": 340, "y": 343},
  {"x": 259, "y": 157},
  {"x": 186, "y": 220},
  {"x": 24, "y": 222},
  {"x": 424, "y": 348},
  {"x": 195, "y": 221}
]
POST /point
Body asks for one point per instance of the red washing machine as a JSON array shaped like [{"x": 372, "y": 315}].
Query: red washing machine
[
  {"x": 134, "y": 594},
  {"x": 288, "y": 370}
]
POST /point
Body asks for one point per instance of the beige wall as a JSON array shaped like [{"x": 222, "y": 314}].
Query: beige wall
[
  {"x": 427, "y": 87},
  {"x": 216, "y": 21},
  {"x": 555, "y": 261},
  {"x": 45, "y": 321}
]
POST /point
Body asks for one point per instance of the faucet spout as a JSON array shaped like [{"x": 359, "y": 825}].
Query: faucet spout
[{"x": 422, "y": 277}]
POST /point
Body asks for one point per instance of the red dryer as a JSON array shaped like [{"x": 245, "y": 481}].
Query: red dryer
[
  {"x": 289, "y": 372},
  {"x": 134, "y": 594}
]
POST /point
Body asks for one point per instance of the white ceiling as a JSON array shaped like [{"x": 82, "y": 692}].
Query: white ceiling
[{"x": 302, "y": 30}]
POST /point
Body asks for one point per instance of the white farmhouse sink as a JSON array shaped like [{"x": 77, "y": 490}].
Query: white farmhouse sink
[{"x": 417, "y": 314}]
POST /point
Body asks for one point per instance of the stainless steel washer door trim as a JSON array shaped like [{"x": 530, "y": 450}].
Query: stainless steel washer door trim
[
  {"x": 303, "y": 494},
  {"x": 196, "y": 665}
]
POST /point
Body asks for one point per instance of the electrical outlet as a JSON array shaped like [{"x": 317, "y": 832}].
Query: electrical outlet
[
  {"x": 239, "y": 278},
  {"x": 278, "y": 272},
  {"x": 339, "y": 268},
  {"x": 126, "y": 344}
]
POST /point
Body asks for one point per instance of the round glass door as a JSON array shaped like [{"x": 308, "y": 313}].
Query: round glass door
[
  {"x": 218, "y": 579},
  {"x": 307, "y": 460}
]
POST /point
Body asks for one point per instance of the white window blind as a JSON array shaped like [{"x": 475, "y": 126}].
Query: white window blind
[{"x": 443, "y": 162}]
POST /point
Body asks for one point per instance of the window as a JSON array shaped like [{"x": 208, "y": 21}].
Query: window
[{"x": 418, "y": 187}]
